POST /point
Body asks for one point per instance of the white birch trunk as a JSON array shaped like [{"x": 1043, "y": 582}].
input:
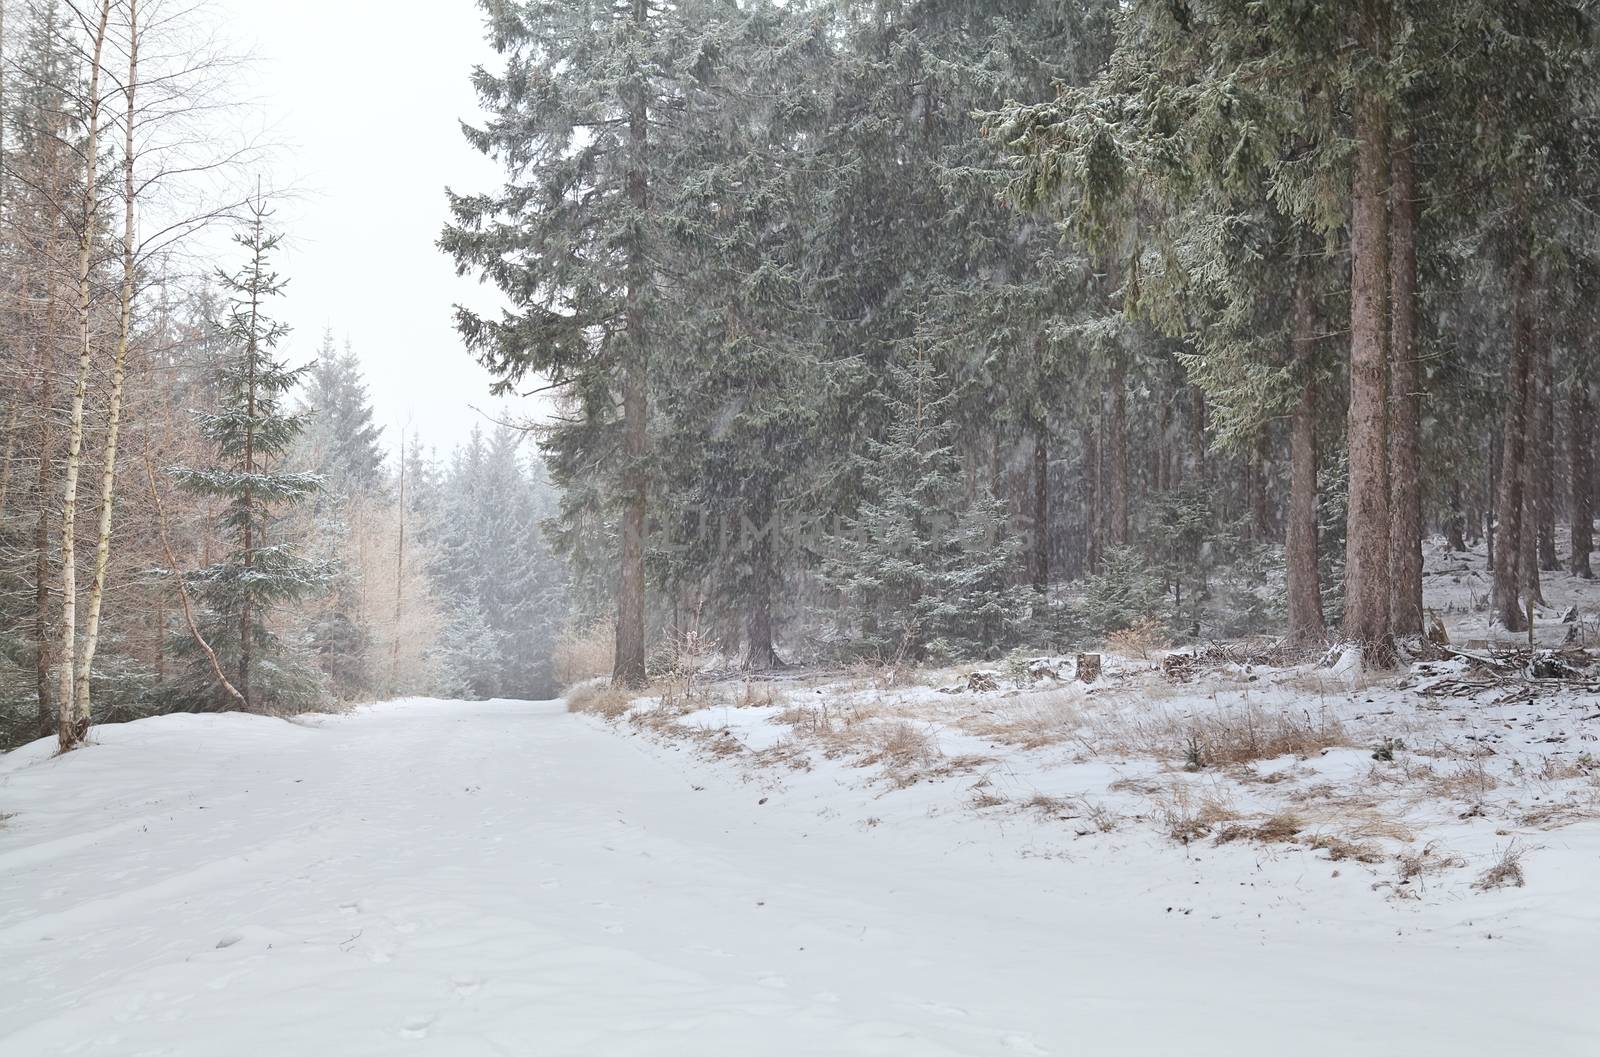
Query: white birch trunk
[
  {"x": 71, "y": 726},
  {"x": 108, "y": 472}
]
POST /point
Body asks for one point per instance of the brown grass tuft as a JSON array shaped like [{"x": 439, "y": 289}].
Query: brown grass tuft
[
  {"x": 1428, "y": 860},
  {"x": 583, "y": 653},
  {"x": 1278, "y": 829},
  {"x": 900, "y": 745},
  {"x": 1340, "y": 848},
  {"x": 1225, "y": 738},
  {"x": 1506, "y": 871},
  {"x": 1034, "y": 722},
  {"x": 1139, "y": 639},
  {"x": 1186, "y": 817},
  {"x": 598, "y": 698}
]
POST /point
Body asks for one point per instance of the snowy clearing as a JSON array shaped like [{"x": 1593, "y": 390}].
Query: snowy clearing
[{"x": 498, "y": 878}]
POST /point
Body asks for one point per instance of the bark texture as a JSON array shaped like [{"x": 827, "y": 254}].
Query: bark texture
[
  {"x": 72, "y": 726},
  {"x": 1117, "y": 529},
  {"x": 1366, "y": 592},
  {"x": 1405, "y": 398},
  {"x": 1508, "y": 502},
  {"x": 1039, "y": 573},
  {"x": 1307, "y": 626},
  {"x": 1580, "y": 462},
  {"x": 119, "y": 360},
  {"x": 1545, "y": 439},
  {"x": 628, "y": 668}
]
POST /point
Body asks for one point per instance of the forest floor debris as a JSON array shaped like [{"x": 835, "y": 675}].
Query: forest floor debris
[{"x": 1424, "y": 772}]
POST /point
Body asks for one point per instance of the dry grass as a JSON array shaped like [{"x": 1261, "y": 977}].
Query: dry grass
[
  {"x": 1186, "y": 816},
  {"x": 1038, "y": 721},
  {"x": 983, "y": 798},
  {"x": 1277, "y": 829},
  {"x": 583, "y": 653},
  {"x": 1559, "y": 770},
  {"x": 1506, "y": 872},
  {"x": 900, "y": 745},
  {"x": 1342, "y": 848},
  {"x": 597, "y": 698},
  {"x": 1095, "y": 816},
  {"x": 754, "y": 694},
  {"x": 1419, "y": 865},
  {"x": 1140, "y": 639},
  {"x": 1469, "y": 782},
  {"x": 1227, "y": 737}
]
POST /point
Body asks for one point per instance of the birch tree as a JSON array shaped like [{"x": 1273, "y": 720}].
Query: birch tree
[
  {"x": 73, "y": 725},
  {"x": 108, "y": 473}
]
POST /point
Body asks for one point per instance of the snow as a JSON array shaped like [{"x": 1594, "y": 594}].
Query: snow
[{"x": 499, "y": 878}]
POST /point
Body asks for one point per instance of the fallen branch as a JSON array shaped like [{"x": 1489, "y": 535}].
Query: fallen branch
[{"x": 183, "y": 592}]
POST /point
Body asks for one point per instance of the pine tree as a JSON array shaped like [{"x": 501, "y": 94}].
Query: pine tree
[{"x": 251, "y": 431}]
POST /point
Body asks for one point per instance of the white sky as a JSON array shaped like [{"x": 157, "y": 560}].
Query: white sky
[{"x": 364, "y": 97}]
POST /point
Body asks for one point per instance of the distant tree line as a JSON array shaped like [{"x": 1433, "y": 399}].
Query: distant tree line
[{"x": 196, "y": 512}]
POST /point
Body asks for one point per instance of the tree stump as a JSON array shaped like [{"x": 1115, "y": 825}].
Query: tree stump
[{"x": 1088, "y": 667}]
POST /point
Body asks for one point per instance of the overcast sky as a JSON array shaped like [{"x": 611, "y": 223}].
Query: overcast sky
[{"x": 364, "y": 97}]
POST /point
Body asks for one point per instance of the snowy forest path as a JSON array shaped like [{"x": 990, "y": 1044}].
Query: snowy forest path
[{"x": 504, "y": 878}]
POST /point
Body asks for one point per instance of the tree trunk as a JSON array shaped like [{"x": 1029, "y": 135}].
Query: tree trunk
[
  {"x": 1306, "y": 623},
  {"x": 247, "y": 497},
  {"x": 1545, "y": 438},
  {"x": 1366, "y": 594},
  {"x": 628, "y": 669},
  {"x": 1091, "y": 497},
  {"x": 1508, "y": 552},
  {"x": 1405, "y": 398},
  {"x": 1580, "y": 456},
  {"x": 1040, "y": 572},
  {"x": 1491, "y": 493},
  {"x": 1118, "y": 527},
  {"x": 12, "y": 431},
  {"x": 71, "y": 726},
  {"x": 41, "y": 528},
  {"x": 1261, "y": 494},
  {"x": 1454, "y": 538},
  {"x": 1532, "y": 590},
  {"x": 108, "y": 473},
  {"x": 760, "y": 655}
]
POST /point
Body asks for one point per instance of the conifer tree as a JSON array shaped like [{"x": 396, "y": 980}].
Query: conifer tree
[
  {"x": 927, "y": 574},
  {"x": 742, "y": 408},
  {"x": 251, "y": 431},
  {"x": 341, "y": 442},
  {"x": 582, "y": 118}
]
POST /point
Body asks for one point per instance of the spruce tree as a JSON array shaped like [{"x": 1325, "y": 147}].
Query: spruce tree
[
  {"x": 340, "y": 441},
  {"x": 251, "y": 431},
  {"x": 928, "y": 576},
  {"x": 742, "y": 406},
  {"x": 582, "y": 117}
]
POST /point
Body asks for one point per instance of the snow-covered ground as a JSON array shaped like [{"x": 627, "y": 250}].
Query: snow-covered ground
[{"x": 507, "y": 878}]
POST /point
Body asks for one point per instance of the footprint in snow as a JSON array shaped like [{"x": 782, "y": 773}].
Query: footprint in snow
[
  {"x": 1023, "y": 1044},
  {"x": 940, "y": 1009},
  {"x": 417, "y": 1027},
  {"x": 614, "y": 927},
  {"x": 550, "y": 883},
  {"x": 772, "y": 980},
  {"x": 466, "y": 985}
]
